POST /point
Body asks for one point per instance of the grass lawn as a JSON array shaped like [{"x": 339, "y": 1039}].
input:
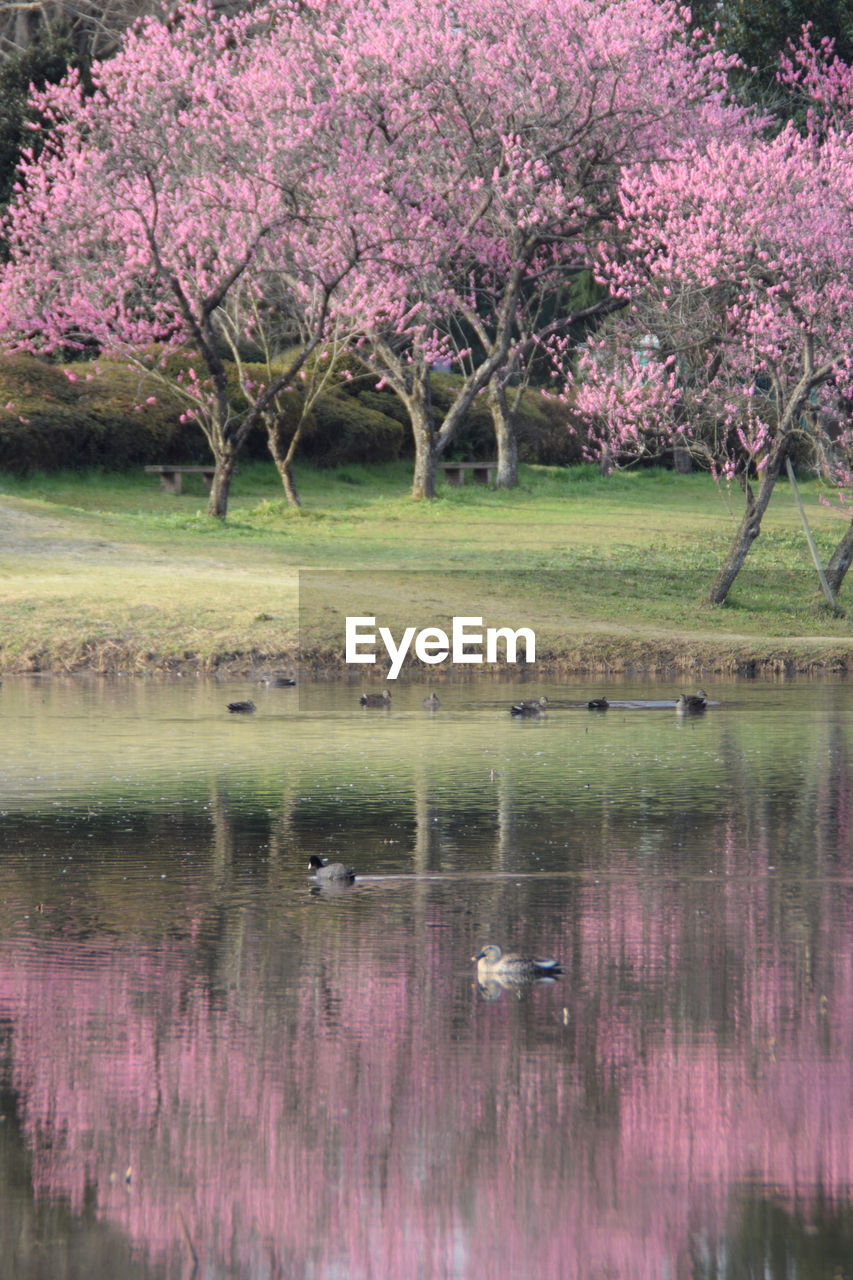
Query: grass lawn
[{"x": 105, "y": 571}]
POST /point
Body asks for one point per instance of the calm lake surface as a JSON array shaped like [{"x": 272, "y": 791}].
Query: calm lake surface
[{"x": 202, "y": 1055}]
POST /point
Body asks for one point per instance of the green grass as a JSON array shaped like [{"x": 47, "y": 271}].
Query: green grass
[{"x": 105, "y": 570}]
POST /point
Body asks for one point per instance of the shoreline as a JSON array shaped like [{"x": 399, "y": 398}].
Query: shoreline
[{"x": 601, "y": 655}]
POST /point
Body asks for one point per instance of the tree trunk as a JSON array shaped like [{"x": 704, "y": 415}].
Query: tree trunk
[
  {"x": 507, "y": 473},
  {"x": 840, "y": 561},
  {"x": 217, "y": 503},
  {"x": 283, "y": 460},
  {"x": 426, "y": 455},
  {"x": 750, "y": 525},
  {"x": 409, "y": 376},
  {"x": 419, "y": 405},
  {"x": 682, "y": 460},
  {"x": 289, "y": 484},
  {"x": 222, "y": 445}
]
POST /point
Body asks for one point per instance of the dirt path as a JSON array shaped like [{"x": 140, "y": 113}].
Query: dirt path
[{"x": 24, "y": 533}]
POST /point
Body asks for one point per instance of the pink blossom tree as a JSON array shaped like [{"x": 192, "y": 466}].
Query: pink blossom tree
[
  {"x": 187, "y": 208},
  {"x": 821, "y": 83},
  {"x": 738, "y": 264},
  {"x": 507, "y": 167}
]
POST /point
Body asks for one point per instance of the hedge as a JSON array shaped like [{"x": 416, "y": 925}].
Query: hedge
[
  {"x": 48, "y": 421},
  {"x": 99, "y": 416}
]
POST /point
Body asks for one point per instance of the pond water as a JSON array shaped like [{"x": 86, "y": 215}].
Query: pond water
[{"x": 203, "y": 1057}]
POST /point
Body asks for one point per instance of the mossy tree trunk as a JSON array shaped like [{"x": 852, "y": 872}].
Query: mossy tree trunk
[
  {"x": 282, "y": 457},
  {"x": 796, "y": 405},
  {"x": 840, "y": 561},
  {"x": 220, "y": 489},
  {"x": 505, "y": 437},
  {"x": 408, "y": 373},
  {"x": 750, "y": 525},
  {"x": 222, "y": 444}
]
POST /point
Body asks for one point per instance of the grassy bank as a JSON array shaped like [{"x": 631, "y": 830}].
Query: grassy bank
[{"x": 106, "y": 572}]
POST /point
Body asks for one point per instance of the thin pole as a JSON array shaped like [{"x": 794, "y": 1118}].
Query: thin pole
[{"x": 810, "y": 539}]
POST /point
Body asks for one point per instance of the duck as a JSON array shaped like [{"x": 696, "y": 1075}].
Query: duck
[
  {"x": 278, "y": 681},
  {"x": 431, "y": 703},
  {"x": 493, "y": 964},
  {"x": 598, "y": 704},
  {"x": 691, "y": 703},
  {"x": 382, "y": 699},
  {"x": 532, "y": 707},
  {"x": 241, "y": 708},
  {"x": 325, "y": 871}
]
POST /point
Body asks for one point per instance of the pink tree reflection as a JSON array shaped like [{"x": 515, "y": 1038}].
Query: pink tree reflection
[{"x": 337, "y": 1098}]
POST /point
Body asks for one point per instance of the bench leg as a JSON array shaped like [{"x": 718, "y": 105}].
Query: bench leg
[
  {"x": 171, "y": 481},
  {"x": 454, "y": 477}
]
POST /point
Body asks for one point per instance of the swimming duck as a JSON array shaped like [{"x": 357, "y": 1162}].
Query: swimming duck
[
  {"x": 532, "y": 707},
  {"x": 321, "y": 870},
  {"x": 492, "y": 963},
  {"x": 691, "y": 703},
  {"x": 278, "y": 681},
  {"x": 598, "y": 704},
  {"x": 241, "y": 708},
  {"x": 431, "y": 703},
  {"x": 376, "y": 699}
]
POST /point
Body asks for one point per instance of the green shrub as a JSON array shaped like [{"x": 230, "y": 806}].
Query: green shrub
[
  {"x": 101, "y": 418},
  {"x": 385, "y": 402},
  {"x": 345, "y": 430},
  {"x": 544, "y": 435}
]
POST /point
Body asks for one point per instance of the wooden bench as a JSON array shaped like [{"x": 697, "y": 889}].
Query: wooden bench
[
  {"x": 171, "y": 478},
  {"x": 480, "y": 471}
]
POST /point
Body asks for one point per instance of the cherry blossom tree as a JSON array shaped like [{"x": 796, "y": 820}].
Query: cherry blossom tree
[
  {"x": 182, "y": 210},
  {"x": 508, "y": 165},
  {"x": 821, "y": 87},
  {"x": 738, "y": 262}
]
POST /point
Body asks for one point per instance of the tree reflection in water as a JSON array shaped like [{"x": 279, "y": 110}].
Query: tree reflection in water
[{"x": 315, "y": 1086}]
